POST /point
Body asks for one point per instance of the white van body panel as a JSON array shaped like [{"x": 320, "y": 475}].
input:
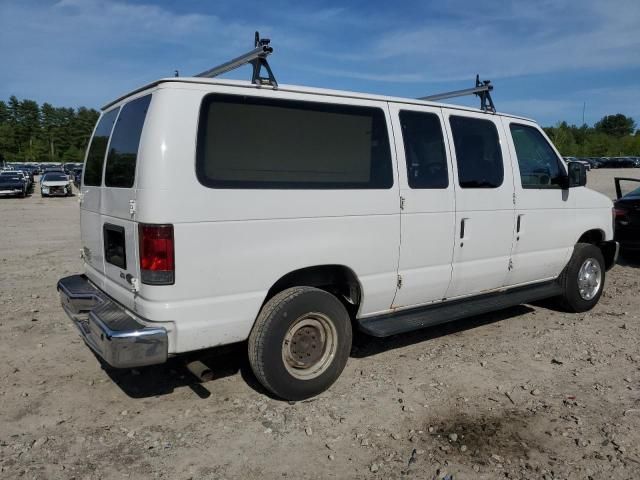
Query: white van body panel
[
  {"x": 547, "y": 233},
  {"x": 428, "y": 226},
  {"x": 233, "y": 245},
  {"x": 481, "y": 256}
]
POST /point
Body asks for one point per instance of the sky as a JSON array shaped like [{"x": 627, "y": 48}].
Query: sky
[{"x": 546, "y": 58}]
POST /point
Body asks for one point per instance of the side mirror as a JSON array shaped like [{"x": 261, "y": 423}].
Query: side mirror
[{"x": 577, "y": 175}]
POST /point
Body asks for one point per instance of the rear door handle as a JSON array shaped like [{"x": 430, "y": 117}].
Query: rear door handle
[
  {"x": 518, "y": 223},
  {"x": 462, "y": 226}
]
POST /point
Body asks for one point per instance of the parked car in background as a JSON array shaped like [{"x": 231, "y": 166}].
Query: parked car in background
[
  {"x": 627, "y": 216},
  {"x": 12, "y": 184},
  {"x": 595, "y": 162},
  {"x": 583, "y": 161},
  {"x": 21, "y": 175},
  {"x": 55, "y": 183},
  {"x": 77, "y": 177},
  {"x": 619, "y": 162}
]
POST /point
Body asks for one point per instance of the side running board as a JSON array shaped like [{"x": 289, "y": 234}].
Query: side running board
[{"x": 416, "y": 318}]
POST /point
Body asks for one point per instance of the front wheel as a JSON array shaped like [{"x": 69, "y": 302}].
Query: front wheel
[
  {"x": 583, "y": 278},
  {"x": 300, "y": 342}
]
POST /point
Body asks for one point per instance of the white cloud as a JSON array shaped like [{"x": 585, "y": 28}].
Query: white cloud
[{"x": 518, "y": 39}]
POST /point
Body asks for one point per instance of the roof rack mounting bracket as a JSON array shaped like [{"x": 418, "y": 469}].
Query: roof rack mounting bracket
[
  {"x": 257, "y": 58},
  {"x": 482, "y": 89}
]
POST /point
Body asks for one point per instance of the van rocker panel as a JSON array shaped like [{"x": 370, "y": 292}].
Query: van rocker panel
[{"x": 416, "y": 318}]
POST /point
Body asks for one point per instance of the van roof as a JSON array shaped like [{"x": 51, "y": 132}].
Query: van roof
[{"x": 301, "y": 89}]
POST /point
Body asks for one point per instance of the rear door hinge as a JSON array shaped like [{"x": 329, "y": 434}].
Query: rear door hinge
[
  {"x": 132, "y": 208},
  {"x": 399, "y": 281},
  {"x": 514, "y": 198},
  {"x": 402, "y": 200},
  {"x": 510, "y": 264}
]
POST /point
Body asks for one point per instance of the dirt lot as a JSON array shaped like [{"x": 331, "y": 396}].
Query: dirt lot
[{"x": 525, "y": 393}]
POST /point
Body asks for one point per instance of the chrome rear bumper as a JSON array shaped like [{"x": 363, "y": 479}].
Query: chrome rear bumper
[{"x": 108, "y": 329}]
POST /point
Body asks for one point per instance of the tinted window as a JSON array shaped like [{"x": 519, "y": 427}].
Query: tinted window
[
  {"x": 248, "y": 142},
  {"x": 424, "y": 150},
  {"x": 54, "y": 177},
  {"x": 114, "y": 251},
  {"x": 478, "y": 152},
  {"x": 539, "y": 165},
  {"x": 98, "y": 148},
  {"x": 125, "y": 140}
]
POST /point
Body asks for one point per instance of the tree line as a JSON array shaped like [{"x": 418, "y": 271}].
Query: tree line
[
  {"x": 44, "y": 133},
  {"x": 30, "y": 132},
  {"x": 612, "y": 136}
]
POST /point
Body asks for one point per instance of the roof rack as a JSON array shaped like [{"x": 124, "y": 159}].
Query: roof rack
[
  {"x": 256, "y": 57},
  {"x": 482, "y": 89}
]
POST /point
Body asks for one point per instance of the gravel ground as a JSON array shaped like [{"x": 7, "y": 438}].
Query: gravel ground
[{"x": 528, "y": 392}]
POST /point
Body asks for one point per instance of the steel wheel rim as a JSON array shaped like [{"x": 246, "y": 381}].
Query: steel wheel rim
[
  {"x": 589, "y": 279},
  {"x": 310, "y": 345}
]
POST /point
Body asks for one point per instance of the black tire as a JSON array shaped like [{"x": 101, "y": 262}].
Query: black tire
[
  {"x": 571, "y": 299},
  {"x": 278, "y": 318}
]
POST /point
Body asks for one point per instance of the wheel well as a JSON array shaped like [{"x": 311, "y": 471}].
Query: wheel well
[
  {"x": 338, "y": 280},
  {"x": 608, "y": 249},
  {"x": 592, "y": 236}
]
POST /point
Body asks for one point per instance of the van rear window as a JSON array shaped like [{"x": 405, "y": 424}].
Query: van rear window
[
  {"x": 253, "y": 142},
  {"x": 98, "y": 148},
  {"x": 125, "y": 140}
]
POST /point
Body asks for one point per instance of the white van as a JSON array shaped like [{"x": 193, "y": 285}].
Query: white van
[{"x": 220, "y": 211}]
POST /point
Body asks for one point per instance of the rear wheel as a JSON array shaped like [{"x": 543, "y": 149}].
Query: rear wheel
[
  {"x": 583, "y": 278},
  {"x": 300, "y": 342}
]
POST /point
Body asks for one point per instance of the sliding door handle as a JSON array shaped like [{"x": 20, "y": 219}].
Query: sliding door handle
[{"x": 462, "y": 226}]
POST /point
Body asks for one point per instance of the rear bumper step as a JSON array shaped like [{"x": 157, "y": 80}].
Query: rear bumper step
[{"x": 106, "y": 327}]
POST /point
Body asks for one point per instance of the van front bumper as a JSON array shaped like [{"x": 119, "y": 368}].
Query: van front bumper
[{"x": 108, "y": 329}]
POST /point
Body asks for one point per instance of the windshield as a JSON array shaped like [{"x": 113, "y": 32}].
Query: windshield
[{"x": 55, "y": 177}]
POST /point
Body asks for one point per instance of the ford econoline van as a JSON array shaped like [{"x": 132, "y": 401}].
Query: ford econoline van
[{"x": 218, "y": 211}]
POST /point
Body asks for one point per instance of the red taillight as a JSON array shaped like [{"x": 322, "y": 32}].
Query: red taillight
[
  {"x": 157, "y": 264},
  {"x": 619, "y": 212}
]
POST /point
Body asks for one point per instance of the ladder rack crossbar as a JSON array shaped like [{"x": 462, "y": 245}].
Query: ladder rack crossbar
[
  {"x": 482, "y": 89},
  {"x": 258, "y": 52},
  {"x": 458, "y": 93},
  {"x": 257, "y": 58}
]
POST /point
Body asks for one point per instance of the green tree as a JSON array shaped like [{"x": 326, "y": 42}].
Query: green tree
[
  {"x": 72, "y": 154},
  {"x": 4, "y": 112},
  {"x": 617, "y": 125}
]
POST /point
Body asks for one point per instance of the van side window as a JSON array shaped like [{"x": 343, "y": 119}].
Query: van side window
[
  {"x": 98, "y": 148},
  {"x": 478, "y": 152},
  {"x": 253, "y": 142},
  {"x": 539, "y": 164},
  {"x": 125, "y": 140},
  {"x": 424, "y": 150}
]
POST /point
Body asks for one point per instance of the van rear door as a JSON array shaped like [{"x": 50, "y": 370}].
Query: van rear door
[
  {"x": 91, "y": 195},
  {"x": 118, "y": 226}
]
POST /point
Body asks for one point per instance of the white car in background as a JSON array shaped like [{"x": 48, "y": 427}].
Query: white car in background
[{"x": 55, "y": 183}]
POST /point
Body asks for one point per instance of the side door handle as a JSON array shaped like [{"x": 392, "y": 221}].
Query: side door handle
[
  {"x": 519, "y": 223},
  {"x": 463, "y": 223}
]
